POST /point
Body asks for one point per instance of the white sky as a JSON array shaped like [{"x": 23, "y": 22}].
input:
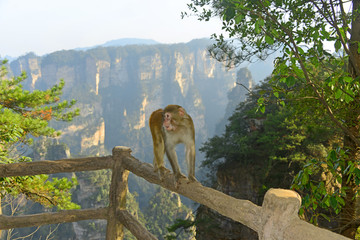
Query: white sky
[{"x": 44, "y": 26}]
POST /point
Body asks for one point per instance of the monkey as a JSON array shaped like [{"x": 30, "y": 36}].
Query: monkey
[{"x": 169, "y": 127}]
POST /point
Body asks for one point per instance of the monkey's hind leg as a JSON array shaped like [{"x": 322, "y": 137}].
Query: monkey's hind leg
[
  {"x": 192, "y": 179},
  {"x": 177, "y": 179},
  {"x": 162, "y": 172},
  {"x": 190, "y": 159},
  {"x": 158, "y": 163},
  {"x": 172, "y": 157}
]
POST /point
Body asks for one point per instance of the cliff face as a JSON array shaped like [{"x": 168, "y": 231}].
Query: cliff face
[
  {"x": 232, "y": 179},
  {"x": 117, "y": 88},
  {"x": 238, "y": 94},
  {"x": 238, "y": 182}
]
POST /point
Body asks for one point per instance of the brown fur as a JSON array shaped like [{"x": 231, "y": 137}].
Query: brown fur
[{"x": 170, "y": 127}]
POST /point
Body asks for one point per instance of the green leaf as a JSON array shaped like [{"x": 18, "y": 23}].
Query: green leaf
[
  {"x": 287, "y": 50},
  {"x": 301, "y": 211},
  {"x": 301, "y": 51},
  {"x": 327, "y": 201},
  {"x": 282, "y": 80},
  {"x": 269, "y": 40},
  {"x": 348, "y": 79},
  {"x": 332, "y": 155},
  {"x": 239, "y": 18},
  {"x": 306, "y": 201},
  {"x": 262, "y": 108},
  {"x": 338, "y": 93},
  {"x": 260, "y": 100},
  {"x": 290, "y": 81},
  {"x": 324, "y": 216},
  {"x": 274, "y": 33},
  {"x": 340, "y": 200},
  {"x": 229, "y": 14},
  {"x": 261, "y": 22},
  {"x": 257, "y": 28},
  {"x": 347, "y": 97},
  {"x": 337, "y": 45},
  {"x": 357, "y": 172},
  {"x": 305, "y": 178},
  {"x": 357, "y": 180},
  {"x": 333, "y": 202}
]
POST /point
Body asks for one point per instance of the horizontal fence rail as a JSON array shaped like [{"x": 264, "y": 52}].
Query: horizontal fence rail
[
  {"x": 239, "y": 210},
  {"x": 56, "y": 166},
  {"x": 52, "y": 218},
  {"x": 277, "y": 218}
]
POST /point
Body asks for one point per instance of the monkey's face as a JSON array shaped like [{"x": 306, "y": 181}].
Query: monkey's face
[
  {"x": 167, "y": 122},
  {"x": 167, "y": 116}
]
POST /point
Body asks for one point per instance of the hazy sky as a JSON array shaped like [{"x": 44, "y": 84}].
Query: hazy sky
[{"x": 44, "y": 26}]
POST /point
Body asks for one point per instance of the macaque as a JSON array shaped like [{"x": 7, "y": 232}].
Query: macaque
[{"x": 169, "y": 127}]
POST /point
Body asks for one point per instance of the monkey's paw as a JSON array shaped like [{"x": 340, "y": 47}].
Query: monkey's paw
[
  {"x": 192, "y": 179},
  {"x": 178, "y": 178},
  {"x": 162, "y": 172}
]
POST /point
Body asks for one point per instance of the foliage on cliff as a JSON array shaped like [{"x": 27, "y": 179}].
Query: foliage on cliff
[
  {"x": 275, "y": 141},
  {"x": 288, "y": 147},
  {"x": 275, "y": 145},
  {"x": 314, "y": 75}
]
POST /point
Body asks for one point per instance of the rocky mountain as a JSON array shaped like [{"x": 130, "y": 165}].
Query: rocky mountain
[
  {"x": 117, "y": 88},
  {"x": 238, "y": 94}
]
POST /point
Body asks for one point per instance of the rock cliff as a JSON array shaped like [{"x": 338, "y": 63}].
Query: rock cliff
[{"x": 117, "y": 88}]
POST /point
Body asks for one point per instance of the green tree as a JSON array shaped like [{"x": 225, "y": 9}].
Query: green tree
[
  {"x": 25, "y": 115},
  {"x": 275, "y": 142},
  {"x": 272, "y": 147},
  {"x": 325, "y": 79}
]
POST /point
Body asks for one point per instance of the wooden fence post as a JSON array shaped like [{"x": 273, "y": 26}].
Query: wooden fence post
[
  {"x": 117, "y": 195},
  {"x": 280, "y": 219}
]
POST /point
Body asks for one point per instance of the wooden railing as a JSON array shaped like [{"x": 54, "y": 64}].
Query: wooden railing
[{"x": 277, "y": 218}]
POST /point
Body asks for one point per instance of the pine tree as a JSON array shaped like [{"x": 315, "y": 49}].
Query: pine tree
[{"x": 25, "y": 115}]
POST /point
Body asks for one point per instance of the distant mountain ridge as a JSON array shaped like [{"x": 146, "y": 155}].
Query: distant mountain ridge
[{"x": 121, "y": 42}]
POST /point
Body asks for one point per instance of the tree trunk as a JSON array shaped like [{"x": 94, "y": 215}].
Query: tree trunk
[
  {"x": 348, "y": 225},
  {"x": 354, "y": 60}
]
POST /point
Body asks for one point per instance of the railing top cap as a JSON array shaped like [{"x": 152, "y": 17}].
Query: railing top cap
[
  {"x": 121, "y": 149},
  {"x": 282, "y": 198},
  {"x": 284, "y": 193}
]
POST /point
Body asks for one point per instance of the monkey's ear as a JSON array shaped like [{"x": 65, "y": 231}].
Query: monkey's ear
[{"x": 182, "y": 112}]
